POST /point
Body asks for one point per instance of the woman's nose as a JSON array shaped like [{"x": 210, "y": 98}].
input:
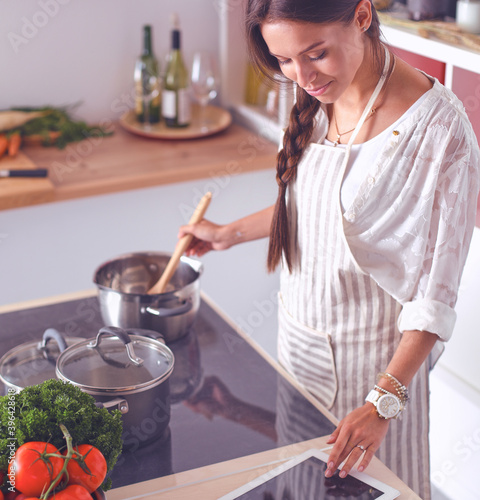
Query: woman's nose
[{"x": 305, "y": 74}]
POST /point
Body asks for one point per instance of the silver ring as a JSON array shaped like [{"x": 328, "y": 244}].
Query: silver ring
[{"x": 360, "y": 446}]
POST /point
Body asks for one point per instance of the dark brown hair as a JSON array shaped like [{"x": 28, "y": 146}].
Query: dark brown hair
[{"x": 300, "y": 127}]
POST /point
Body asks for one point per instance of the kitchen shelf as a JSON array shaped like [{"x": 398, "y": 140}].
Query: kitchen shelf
[{"x": 233, "y": 63}]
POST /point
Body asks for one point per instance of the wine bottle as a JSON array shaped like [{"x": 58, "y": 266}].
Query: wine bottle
[
  {"x": 148, "y": 88},
  {"x": 176, "y": 101}
]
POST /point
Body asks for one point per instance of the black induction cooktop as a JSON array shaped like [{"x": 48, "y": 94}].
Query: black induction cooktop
[{"x": 227, "y": 401}]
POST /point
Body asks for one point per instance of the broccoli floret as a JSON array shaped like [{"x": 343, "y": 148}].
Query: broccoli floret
[{"x": 35, "y": 414}]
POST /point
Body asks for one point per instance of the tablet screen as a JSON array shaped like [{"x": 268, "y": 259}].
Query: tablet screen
[{"x": 304, "y": 479}]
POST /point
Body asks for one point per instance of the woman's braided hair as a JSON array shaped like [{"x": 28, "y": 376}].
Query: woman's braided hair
[{"x": 301, "y": 122}]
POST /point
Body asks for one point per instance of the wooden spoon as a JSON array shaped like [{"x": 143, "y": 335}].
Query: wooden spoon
[{"x": 161, "y": 284}]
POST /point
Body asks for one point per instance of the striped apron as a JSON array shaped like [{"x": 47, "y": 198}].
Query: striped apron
[{"x": 337, "y": 327}]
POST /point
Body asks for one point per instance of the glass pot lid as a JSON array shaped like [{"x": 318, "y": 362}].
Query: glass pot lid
[
  {"x": 34, "y": 362},
  {"x": 117, "y": 360}
]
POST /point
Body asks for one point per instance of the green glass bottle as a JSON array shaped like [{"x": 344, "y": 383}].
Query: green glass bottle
[
  {"x": 176, "y": 101},
  {"x": 148, "y": 88}
]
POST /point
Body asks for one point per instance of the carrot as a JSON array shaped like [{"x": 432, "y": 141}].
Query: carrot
[
  {"x": 14, "y": 144},
  {"x": 3, "y": 145}
]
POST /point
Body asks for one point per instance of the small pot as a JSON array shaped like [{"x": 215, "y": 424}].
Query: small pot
[
  {"x": 33, "y": 362},
  {"x": 123, "y": 284},
  {"x": 127, "y": 370}
]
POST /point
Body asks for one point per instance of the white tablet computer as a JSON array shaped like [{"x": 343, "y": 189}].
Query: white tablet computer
[{"x": 303, "y": 478}]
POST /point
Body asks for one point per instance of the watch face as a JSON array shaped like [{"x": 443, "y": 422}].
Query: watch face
[{"x": 388, "y": 406}]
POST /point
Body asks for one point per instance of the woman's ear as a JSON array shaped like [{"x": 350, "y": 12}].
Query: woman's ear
[{"x": 363, "y": 14}]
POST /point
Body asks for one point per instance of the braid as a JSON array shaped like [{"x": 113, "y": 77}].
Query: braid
[{"x": 295, "y": 141}]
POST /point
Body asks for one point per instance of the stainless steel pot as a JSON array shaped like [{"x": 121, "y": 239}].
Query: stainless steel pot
[
  {"x": 119, "y": 365},
  {"x": 123, "y": 283},
  {"x": 33, "y": 362}
]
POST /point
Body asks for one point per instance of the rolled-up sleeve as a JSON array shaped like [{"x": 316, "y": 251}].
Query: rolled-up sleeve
[{"x": 428, "y": 316}]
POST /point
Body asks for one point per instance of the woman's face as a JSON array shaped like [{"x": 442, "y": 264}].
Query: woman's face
[{"x": 324, "y": 59}]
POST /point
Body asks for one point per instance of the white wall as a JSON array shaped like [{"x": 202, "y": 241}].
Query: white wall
[{"x": 63, "y": 52}]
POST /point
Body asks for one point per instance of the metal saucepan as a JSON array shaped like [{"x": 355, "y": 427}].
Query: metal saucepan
[
  {"x": 120, "y": 365},
  {"x": 33, "y": 362},
  {"x": 123, "y": 283}
]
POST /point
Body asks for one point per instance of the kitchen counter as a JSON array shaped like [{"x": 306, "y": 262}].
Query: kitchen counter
[
  {"x": 125, "y": 161},
  {"x": 235, "y": 412}
]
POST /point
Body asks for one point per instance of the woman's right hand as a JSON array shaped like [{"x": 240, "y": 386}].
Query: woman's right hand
[
  {"x": 209, "y": 236},
  {"x": 206, "y": 236}
]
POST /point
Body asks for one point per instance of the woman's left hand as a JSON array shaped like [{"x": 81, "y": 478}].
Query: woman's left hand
[{"x": 362, "y": 429}]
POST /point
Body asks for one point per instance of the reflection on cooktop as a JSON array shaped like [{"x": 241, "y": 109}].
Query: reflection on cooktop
[{"x": 227, "y": 401}]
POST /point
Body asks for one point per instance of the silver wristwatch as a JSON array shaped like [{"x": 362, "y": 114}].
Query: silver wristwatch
[{"x": 388, "y": 405}]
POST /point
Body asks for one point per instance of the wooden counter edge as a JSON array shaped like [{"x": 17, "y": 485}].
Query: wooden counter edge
[{"x": 46, "y": 301}]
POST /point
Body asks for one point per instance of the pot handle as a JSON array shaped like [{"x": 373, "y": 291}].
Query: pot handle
[
  {"x": 52, "y": 334},
  {"x": 123, "y": 336},
  {"x": 174, "y": 311},
  {"x": 121, "y": 404}
]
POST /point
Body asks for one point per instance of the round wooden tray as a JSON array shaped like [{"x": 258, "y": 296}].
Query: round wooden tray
[{"x": 215, "y": 120}]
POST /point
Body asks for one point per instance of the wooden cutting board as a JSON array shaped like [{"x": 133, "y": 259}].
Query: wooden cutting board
[{"x": 22, "y": 191}]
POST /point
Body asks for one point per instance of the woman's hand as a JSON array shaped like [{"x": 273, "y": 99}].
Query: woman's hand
[
  {"x": 362, "y": 427},
  {"x": 209, "y": 236},
  {"x": 206, "y": 236}
]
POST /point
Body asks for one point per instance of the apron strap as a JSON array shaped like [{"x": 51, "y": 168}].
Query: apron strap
[{"x": 372, "y": 100}]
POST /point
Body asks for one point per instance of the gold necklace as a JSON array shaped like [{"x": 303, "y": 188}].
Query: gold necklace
[
  {"x": 339, "y": 135},
  {"x": 372, "y": 111}
]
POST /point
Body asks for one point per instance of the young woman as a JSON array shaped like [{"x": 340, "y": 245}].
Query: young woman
[{"x": 378, "y": 182}]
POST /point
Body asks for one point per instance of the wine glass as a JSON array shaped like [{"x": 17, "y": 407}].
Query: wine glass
[{"x": 204, "y": 83}]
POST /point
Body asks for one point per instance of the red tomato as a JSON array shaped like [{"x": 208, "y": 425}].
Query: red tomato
[
  {"x": 1, "y": 495},
  {"x": 90, "y": 470},
  {"x": 34, "y": 474},
  {"x": 72, "y": 492}
]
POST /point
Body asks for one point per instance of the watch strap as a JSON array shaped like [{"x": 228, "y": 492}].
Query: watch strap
[{"x": 372, "y": 397}]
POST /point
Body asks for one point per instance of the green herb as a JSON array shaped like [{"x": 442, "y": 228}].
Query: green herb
[
  {"x": 59, "y": 120},
  {"x": 35, "y": 414}
]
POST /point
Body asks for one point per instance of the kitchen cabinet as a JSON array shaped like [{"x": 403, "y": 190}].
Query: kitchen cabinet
[{"x": 234, "y": 415}]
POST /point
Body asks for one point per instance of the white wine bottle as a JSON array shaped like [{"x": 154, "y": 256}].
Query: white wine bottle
[
  {"x": 148, "y": 88},
  {"x": 176, "y": 101}
]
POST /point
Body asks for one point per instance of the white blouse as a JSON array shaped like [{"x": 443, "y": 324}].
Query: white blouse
[
  {"x": 410, "y": 223},
  {"x": 364, "y": 154}
]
